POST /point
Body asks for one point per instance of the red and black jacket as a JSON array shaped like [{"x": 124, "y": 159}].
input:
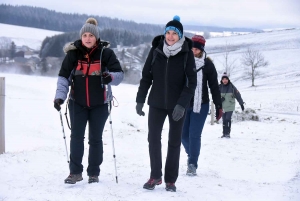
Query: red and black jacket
[{"x": 85, "y": 68}]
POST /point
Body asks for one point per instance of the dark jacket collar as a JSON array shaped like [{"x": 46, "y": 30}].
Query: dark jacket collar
[
  {"x": 78, "y": 45},
  {"x": 158, "y": 41}
]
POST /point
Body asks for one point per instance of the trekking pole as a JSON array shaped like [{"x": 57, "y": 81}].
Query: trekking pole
[
  {"x": 112, "y": 136},
  {"x": 110, "y": 121},
  {"x": 64, "y": 136}
]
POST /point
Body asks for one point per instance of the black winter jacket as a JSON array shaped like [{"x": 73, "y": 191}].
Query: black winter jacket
[
  {"x": 171, "y": 83},
  {"x": 85, "y": 69},
  {"x": 210, "y": 78}
]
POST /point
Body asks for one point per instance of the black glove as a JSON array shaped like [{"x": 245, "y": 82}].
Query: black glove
[
  {"x": 242, "y": 106},
  {"x": 139, "y": 107},
  {"x": 106, "y": 78},
  {"x": 178, "y": 112},
  {"x": 57, "y": 103},
  {"x": 219, "y": 112}
]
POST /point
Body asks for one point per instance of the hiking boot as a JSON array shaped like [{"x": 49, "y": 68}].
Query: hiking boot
[
  {"x": 151, "y": 183},
  {"x": 93, "y": 179},
  {"x": 73, "y": 178},
  {"x": 225, "y": 136},
  {"x": 191, "y": 170},
  {"x": 170, "y": 187}
]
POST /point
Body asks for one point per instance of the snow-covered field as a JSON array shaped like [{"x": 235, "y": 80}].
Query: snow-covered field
[
  {"x": 260, "y": 162},
  {"x": 30, "y": 37}
]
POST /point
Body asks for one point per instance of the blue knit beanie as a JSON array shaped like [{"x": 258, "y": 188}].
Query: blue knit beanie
[{"x": 175, "y": 25}]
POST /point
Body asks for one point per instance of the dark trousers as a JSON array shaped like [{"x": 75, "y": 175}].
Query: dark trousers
[
  {"x": 96, "y": 117},
  {"x": 156, "y": 121},
  {"x": 227, "y": 122},
  {"x": 192, "y": 131}
]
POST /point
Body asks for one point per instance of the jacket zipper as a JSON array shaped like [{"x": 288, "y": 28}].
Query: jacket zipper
[
  {"x": 166, "y": 85},
  {"x": 87, "y": 84},
  {"x": 166, "y": 78},
  {"x": 87, "y": 79}
]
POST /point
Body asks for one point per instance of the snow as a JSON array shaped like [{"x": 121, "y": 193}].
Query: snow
[
  {"x": 30, "y": 37},
  {"x": 260, "y": 162},
  {"x": 218, "y": 34}
]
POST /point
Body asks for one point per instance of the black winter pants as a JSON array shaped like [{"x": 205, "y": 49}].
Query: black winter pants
[
  {"x": 227, "y": 122},
  {"x": 96, "y": 117},
  {"x": 156, "y": 121}
]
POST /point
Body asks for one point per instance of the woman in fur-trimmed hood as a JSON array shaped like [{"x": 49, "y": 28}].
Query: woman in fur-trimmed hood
[{"x": 89, "y": 67}]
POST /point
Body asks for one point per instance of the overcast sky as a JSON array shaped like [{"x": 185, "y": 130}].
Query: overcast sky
[{"x": 225, "y": 13}]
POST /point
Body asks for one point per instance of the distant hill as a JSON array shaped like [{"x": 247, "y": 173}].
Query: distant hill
[
  {"x": 43, "y": 18},
  {"x": 219, "y": 29}
]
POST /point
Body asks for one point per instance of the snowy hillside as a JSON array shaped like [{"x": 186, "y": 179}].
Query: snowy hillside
[
  {"x": 259, "y": 163},
  {"x": 280, "y": 48},
  {"x": 30, "y": 37}
]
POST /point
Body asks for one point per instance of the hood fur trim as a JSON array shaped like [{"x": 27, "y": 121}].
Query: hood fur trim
[{"x": 71, "y": 45}]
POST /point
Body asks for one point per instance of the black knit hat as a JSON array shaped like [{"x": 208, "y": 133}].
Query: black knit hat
[{"x": 175, "y": 25}]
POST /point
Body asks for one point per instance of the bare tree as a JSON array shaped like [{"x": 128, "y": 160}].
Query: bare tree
[
  {"x": 253, "y": 59},
  {"x": 206, "y": 35},
  {"x": 4, "y": 48},
  {"x": 229, "y": 63}
]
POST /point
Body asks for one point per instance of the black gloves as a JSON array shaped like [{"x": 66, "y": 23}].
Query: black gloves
[
  {"x": 106, "y": 78},
  {"x": 57, "y": 103},
  {"x": 178, "y": 112},
  {"x": 242, "y": 106},
  {"x": 139, "y": 107},
  {"x": 219, "y": 112}
]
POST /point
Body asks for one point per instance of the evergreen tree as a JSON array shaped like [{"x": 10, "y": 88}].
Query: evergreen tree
[
  {"x": 49, "y": 19},
  {"x": 12, "y": 50}
]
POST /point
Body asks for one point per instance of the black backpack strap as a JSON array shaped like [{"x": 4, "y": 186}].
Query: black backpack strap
[
  {"x": 185, "y": 57},
  {"x": 185, "y": 60},
  {"x": 154, "y": 56},
  {"x": 155, "y": 52}
]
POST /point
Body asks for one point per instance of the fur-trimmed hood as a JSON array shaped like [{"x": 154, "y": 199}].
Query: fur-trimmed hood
[
  {"x": 78, "y": 44},
  {"x": 158, "y": 40}
]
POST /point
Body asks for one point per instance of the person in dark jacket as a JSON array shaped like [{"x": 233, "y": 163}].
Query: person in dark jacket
[
  {"x": 173, "y": 82},
  {"x": 199, "y": 105},
  {"x": 89, "y": 67},
  {"x": 228, "y": 94}
]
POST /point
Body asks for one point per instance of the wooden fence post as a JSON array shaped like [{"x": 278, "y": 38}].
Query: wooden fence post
[
  {"x": 212, "y": 113},
  {"x": 2, "y": 115}
]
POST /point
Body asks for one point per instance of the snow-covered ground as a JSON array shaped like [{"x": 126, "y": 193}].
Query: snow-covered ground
[{"x": 260, "y": 162}]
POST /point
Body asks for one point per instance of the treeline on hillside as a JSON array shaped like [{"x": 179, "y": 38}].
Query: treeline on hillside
[
  {"x": 53, "y": 46},
  {"x": 48, "y": 19}
]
